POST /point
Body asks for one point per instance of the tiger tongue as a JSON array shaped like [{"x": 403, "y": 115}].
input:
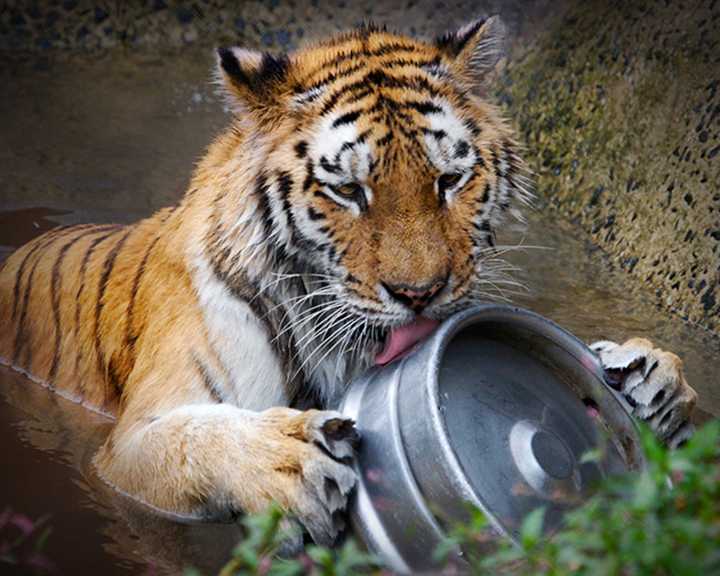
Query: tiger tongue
[{"x": 402, "y": 338}]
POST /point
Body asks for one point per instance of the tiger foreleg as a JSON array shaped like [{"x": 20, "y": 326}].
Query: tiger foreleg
[
  {"x": 653, "y": 383},
  {"x": 218, "y": 460}
]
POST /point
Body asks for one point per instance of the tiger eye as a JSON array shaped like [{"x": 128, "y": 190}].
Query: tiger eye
[
  {"x": 445, "y": 182},
  {"x": 351, "y": 191}
]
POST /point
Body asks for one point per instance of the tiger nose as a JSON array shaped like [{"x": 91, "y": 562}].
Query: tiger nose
[{"x": 416, "y": 298}]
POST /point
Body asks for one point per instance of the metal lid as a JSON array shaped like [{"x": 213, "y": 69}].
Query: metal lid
[{"x": 507, "y": 390}]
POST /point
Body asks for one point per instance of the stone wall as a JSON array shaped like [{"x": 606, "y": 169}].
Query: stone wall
[
  {"x": 92, "y": 26},
  {"x": 619, "y": 105}
]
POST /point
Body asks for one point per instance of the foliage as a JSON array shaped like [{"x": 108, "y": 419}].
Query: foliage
[
  {"x": 261, "y": 550},
  {"x": 22, "y": 541},
  {"x": 639, "y": 523},
  {"x": 636, "y": 524}
]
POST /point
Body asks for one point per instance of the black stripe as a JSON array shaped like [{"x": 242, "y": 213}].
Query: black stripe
[
  {"x": 479, "y": 160},
  {"x": 301, "y": 149},
  {"x": 332, "y": 254},
  {"x": 483, "y": 226},
  {"x": 208, "y": 379},
  {"x": 423, "y": 64},
  {"x": 486, "y": 193},
  {"x": 20, "y": 342},
  {"x": 261, "y": 193},
  {"x": 310, "y": 176},
  {"x": 362, "y": 137},
  {"x": 437, "y": 134},
  {"x": 328, "y": 166},
  {"x": 108, "y": 266},
  {"x": 314, "y": 214},
  {"x": 83, "y": 269},
  {"x": 471, "y": 125},
  {"x": 130, "y": 336},
  {"x": 360, "y": 94},
  {"x": 114, "y": 378},
  {"x": 362, "y": 55},
  {"x": 329, "y": 78},
  {"x": 423, "y": 108},
  {"x": 379, "y": 78},
  {"x": 347, "y": 118},
  {"x": 285, "y": 185},
  {"x": 486, "y": 229},
  {"x": 56, "y": 283},
  {"x": 385, "y": 140},
  {"x": 324, "y": 230},
  {"x": 41, "y": 242}
]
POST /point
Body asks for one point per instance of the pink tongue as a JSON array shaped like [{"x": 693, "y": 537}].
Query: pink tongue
[{"x": 402, "y": 338}]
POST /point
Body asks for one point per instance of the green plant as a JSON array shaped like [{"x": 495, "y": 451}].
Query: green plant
[
  {"x": 266, "y": 534},
  {"x": 636, "y": 524}
]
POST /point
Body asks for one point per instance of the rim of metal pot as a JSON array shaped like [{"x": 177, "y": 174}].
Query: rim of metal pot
[{"x": 447, "y": 331}]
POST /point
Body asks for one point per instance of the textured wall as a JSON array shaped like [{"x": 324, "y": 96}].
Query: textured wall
[
  {"x": 37, "y": 25},
  {"x": 619, "y": 104}
]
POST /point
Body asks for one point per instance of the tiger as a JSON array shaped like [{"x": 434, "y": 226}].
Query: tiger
[{"x": 350, "y": 206}]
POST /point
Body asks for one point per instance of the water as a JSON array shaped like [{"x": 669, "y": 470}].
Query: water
[{"x": 115, "y": 139}]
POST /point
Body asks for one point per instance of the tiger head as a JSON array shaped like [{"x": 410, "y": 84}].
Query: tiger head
[{"x": 376, "y": 167}]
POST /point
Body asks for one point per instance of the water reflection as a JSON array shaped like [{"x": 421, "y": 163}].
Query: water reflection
[{"x": 47, "y": 450}]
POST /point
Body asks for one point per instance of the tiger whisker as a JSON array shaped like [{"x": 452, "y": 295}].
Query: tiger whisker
[
  {"x": 337, "y": 321},
  {"x": 307, "y": 315},
  {"x": 334, "y": 309},
  {"x": 341, "y": 335},
  {"x": 335, "y": 316}
]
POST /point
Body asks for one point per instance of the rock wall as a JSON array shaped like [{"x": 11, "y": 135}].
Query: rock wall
[
  {"x": 619, "y": 105},
  {"x": 92, "y": 26}
]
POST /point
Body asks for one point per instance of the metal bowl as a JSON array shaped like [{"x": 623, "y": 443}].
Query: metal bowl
[{"x": 490, "y": 412}]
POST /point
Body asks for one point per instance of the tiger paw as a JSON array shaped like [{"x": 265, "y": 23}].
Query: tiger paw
[
  {"x": 305, "y": 458},
  {"x": 652, "y": 382}
]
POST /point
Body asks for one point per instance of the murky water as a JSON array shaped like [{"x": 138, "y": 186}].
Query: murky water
[{"x": 115, "y": 139}]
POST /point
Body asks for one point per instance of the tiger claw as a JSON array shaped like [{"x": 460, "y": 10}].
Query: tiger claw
[{"x": 652, "y": 382}]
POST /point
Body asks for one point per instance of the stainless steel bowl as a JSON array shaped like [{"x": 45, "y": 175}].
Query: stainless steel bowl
[{"x": 489, "y": 412}]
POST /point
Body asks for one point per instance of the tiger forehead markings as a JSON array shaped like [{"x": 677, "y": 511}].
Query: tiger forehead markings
[{"x": 346, "y": 146}]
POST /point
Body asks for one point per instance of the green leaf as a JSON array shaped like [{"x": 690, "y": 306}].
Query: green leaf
[
  {"x": 286, "y": 568},
  {"x": 645, "y": 491},
  {"x": 594, "y": 455},
  {"x": 531, "y": 529},
  {"x": 443, "y": 550}
]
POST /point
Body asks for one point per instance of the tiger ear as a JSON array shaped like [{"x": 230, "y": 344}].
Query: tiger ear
[
  {"x": 475, "y": 49},
  {"x": 251, "y": 80}
]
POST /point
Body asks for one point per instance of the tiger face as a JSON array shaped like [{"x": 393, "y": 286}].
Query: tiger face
[{"x": 385, "y": 172}]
